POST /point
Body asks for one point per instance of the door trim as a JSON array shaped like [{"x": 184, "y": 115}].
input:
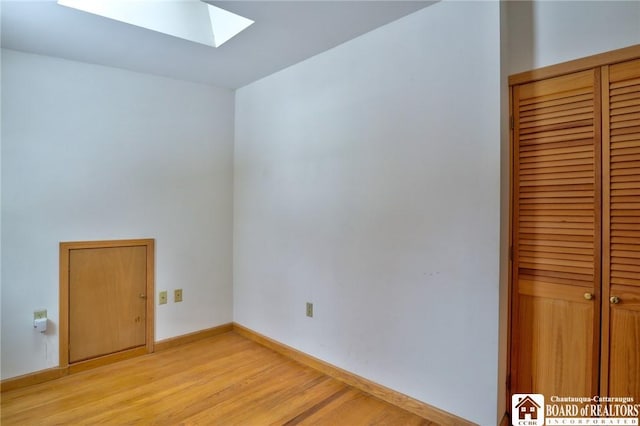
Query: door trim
[
  {"x": 65, "y": 248},
  {"x": 594, "y": 61}
]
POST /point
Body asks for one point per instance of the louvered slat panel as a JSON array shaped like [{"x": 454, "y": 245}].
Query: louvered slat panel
[
  {"x": 624, "y": 162},
  {"x": 556, "y": 180},
  {"x": 584, "y": 132}
]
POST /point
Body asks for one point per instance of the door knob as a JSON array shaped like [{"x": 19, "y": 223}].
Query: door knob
[
  {"x": 615, "y": 300},
  {"x": 588, "y": 296},
  {"x": 143, "y": 296}
]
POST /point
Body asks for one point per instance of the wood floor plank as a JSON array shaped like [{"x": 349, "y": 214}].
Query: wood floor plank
[
  {"x": 225, "y": 380},
  {"x": 357, "y": 408}
]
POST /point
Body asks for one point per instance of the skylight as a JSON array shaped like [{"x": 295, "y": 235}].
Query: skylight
[{"x": 191, "y": 20}]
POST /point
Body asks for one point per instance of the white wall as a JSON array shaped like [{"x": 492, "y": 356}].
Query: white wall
[
  {"x": 549, "y": 32},
  {"x": 367, "y": 181},
  {"x": 92, "y": 153}
]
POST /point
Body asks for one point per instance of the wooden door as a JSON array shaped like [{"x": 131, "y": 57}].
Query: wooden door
[
  {"x": 107, "y": 300},
  {"x": 556, "y": 236},
  {"x": 621, "y": 249}
]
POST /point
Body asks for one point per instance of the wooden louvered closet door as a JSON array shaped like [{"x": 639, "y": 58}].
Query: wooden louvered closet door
[
  {"x": 621, "y": 237},
  {"x": 556, "y": 230}
]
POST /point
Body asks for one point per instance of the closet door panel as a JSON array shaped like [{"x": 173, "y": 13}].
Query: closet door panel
[
  {"x": 555, "y": 342},
  {"x": 621, "y": 233},
  {"x": 624, "y": 362},
  {"x": 555, "y": 331}
]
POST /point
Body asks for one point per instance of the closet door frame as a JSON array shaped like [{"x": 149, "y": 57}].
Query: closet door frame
[{"x": 599, "y": 61}]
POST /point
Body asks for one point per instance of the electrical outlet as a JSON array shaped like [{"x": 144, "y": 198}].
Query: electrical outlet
[
  {"x": 39, "y": 314},
  {"x": 309, "y": 309},
  {"x": 163, "y": 298},
  {"x": 177, "y": 295}
]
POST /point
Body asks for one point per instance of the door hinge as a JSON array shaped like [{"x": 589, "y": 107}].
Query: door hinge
[
  {"x": 511, "y": 253},
  {"x": 511, "y": 122}
]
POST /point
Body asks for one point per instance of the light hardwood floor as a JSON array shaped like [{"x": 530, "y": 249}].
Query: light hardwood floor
[{"x": 222, "y": 380}]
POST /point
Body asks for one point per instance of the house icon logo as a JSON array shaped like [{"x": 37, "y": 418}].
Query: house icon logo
[{"x": 527, "y": 409}]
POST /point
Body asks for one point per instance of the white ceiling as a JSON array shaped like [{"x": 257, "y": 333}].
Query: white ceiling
[{"x": 285, "y": 32}]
